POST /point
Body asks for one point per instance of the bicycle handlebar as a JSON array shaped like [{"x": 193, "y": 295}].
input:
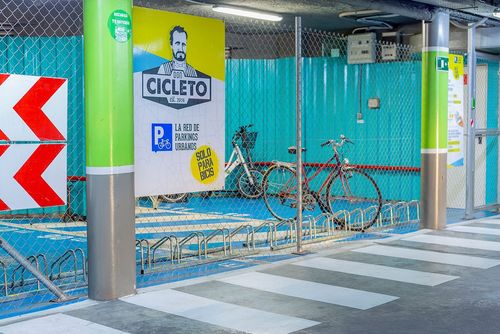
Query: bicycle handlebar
[
  {"x": 335, "y": 144},
  {"x": 242, "y": 129}
]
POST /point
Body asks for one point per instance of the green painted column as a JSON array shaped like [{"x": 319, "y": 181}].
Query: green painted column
[
  {"x": 109, "y": 122},
  {"x": 434, "y": 145}
]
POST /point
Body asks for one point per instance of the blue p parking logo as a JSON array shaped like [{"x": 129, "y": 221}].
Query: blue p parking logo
[{"x": 161, "y": 137}]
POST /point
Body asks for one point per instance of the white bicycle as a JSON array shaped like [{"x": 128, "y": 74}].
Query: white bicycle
[{"x": 249, "y": 181}]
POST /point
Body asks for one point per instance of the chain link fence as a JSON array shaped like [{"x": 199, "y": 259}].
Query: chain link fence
[
  {"x": 376, "y": 105},
  {"x": 41, "y": 39}
]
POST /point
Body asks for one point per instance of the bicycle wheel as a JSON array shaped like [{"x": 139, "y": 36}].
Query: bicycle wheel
[
  {"x": 280, "y": 192},
  {"x": 249, "y": 189},
  {"x": 173, "y": 198},
  {"x": 354, "y": 191}
]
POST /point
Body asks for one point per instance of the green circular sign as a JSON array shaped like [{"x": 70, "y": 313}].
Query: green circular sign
[{"x": 120, "y": 26}]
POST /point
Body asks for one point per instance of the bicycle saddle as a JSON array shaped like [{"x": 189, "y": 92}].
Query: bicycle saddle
[{"x": 293, "y": 149}]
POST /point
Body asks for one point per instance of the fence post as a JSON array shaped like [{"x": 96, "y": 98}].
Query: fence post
[
  {"x": 110, "y": 148},
  {"x": 298, "y": 125},
  {"x": 470, "y": 162},
  {"x": 434, "y": 144}
]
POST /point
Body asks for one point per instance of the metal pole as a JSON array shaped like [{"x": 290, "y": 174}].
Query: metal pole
[
  {"x": 298, "y": 126},
  {"x": 434, "y": 145},
  {"x": 109, "y": 121},
  {"x": 470, "y": 158},
  {"x": 62, "y": 297}
]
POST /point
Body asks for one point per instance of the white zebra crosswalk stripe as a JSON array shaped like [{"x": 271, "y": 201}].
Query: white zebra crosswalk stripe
[
  {"x": 58, "y": 324},
  {"x": 488, "y": 221},
  {"x": 430, "y": 256},
  {"x": 219, "y": 313},
  {"x": 377, "y": 271},
  {"x": 325, "y": 293},
  {"x": 457, "y": 242},
  {"x": 474, "y": 229}
]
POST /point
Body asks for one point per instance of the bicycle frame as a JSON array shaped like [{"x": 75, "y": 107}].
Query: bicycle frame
[
  {"x": 306, "y": 180},
  {"x": 236, "y": 159}
]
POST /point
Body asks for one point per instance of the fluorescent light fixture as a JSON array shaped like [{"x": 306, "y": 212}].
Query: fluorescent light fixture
[
  {"x": 247, "y": 13},
  {"x": 496, "y": 13}
]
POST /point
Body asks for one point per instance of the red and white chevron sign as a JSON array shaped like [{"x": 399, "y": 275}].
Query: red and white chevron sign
[
  {"x": 33, "y": 108},
  {"x": 32, "y": 176}
]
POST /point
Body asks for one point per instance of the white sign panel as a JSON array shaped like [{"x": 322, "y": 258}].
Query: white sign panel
[
  {"x": 178, "y": 103},
  {"x": 456, "y": 120},
  {"x": 32, "y": 176},
  {"x": 33, "y": 108}
]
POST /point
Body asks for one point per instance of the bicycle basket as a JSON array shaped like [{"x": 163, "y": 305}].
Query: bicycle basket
[{"x": 248, "y": 141}]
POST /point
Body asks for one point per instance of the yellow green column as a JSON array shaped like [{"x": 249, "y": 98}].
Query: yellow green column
[
  {"x": 434, "y": 143},
  {"x": 109, "y": 148}
]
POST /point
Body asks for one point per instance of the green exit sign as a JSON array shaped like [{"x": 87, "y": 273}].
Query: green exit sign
[{"x": 442, "y": 63}]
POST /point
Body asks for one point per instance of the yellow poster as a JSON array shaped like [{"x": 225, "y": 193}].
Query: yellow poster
[
  {"x": 456, "y": 120},
  {"x": 178, "y": 102}
]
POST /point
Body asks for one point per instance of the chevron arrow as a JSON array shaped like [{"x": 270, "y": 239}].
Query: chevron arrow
[
  {"x": 32, "y": 108},
  {"x": 33, "y": 176},
  {"x": 3, "y": 148}
]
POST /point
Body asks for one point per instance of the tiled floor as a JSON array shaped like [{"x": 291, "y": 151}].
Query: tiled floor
[{"x": 429, "y": 282}]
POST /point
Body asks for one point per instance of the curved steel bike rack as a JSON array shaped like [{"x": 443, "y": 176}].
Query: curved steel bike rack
[
  {"x": 141, "y": 249},
  {"x": 221, "y": 231},
  {"x": 173, "y": 247}
]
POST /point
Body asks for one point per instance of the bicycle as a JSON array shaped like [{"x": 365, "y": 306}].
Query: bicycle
[
  {"x": 164, "y": 143},
  {"x": 345, "y": 189},
  {"x": 249, "y": 181}
]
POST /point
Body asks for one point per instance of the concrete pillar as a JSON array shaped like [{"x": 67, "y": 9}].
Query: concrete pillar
[
  {"x": 434, "y": 144},
  {"x": 109, "y": 122}
]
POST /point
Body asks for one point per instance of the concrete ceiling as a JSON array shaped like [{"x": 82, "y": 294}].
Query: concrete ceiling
[
  {"x": 324, "y": 14},
  {"x": 56, "y": 17},
  {"x": 317, "y": 14}
]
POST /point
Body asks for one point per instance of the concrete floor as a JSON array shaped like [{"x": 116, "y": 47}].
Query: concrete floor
[{"x": 429, "y": 282}]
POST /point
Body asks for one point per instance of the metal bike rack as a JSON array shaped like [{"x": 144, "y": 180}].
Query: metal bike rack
[
  {"x": 415, "y": 203},
  {"x": 352, "y": 217},
  {"x": 342, "y": 213},
  {"x": 291, "y": 223},
  {"x": 373, "y": 210},
  {"x": 396, "y": 209},
  {"x": 403, "y": 211},
  {"x": 84, "y": 263},
  {"x": 270, "y": 232},
  {"x": 32, "y": 259},
  {"x": 148, "y": 252},
  {"x": 221, "y": 231},
  {"x": 173, "y": 247},
  {"x": 39, "y": 276},
  {"x": 199, "y": 238},
  {"x": 325, "y": 219},
  {"x": 387, "y": 207},
  {"x": 250, "y": 231},
  {"x": 311, "y": 221},
  {"x": 5, "y": 284},
  {"x": 60, "y": 261}
]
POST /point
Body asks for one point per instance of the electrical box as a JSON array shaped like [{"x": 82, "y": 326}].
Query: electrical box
[
  {"x": 374, "y": 103},
  {"x": 361, "y": 48}
]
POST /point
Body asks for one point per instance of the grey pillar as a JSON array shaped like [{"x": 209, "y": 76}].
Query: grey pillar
[
  {"x": 109, "y": 120},
  {"x": 434, "y": 145}
]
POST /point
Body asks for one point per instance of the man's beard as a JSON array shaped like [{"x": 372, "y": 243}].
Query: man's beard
[{"x": 180, "y": 56}]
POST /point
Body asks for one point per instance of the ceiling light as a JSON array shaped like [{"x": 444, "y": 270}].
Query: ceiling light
[
  {"x": 247, "y": 13},
  {"x": 496, "y": 13}
]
